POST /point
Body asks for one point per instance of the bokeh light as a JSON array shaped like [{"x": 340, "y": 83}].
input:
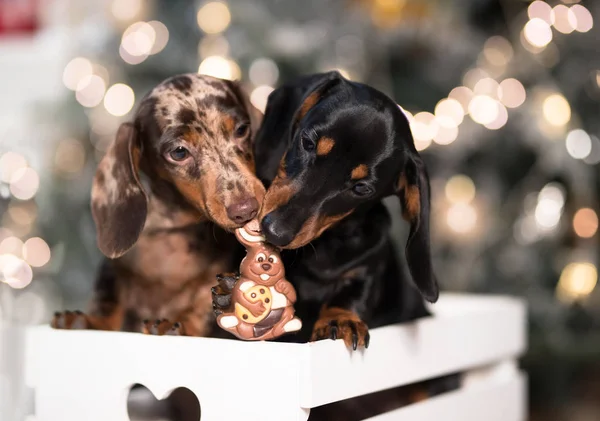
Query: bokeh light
[
  {"x": 550, "y": 203},
  {"x": 138, "y": 39},
  {"x": 69, "y": 157},
  {"x": 75, "y": 71},
  {"x": 473, "y": 76},
  {"x": 463, "y": 95},
  {"x": 585, "y": 223},
  {"x": 263, "y": 71},
  {"x": 161, "y": 36},
  {"x": 460, "y": 189},
  {"x": 487, "y": 86},
  {"x": 36, "y": 252},
  {"x": 583, "y": 18},
  {"x": 17, "y": 274},
  {"x": 90, "y": 91},
  {"x": 500, "y": 120},
  {"x": 11, "y": 162},
  {"x": 449, "y": 113},
  {"x": 126, "y": 10},
  {"x": 213, "y": 45},
  {"x": 537, "y": 32},
  {"x": 24, "y": 183},
  {"x": 483, "y": 109},
  {"x": 445, "y": 135},
  {"x": 12, "y": 246},
  {"x": 540, "y": 10},
  {"x": 23, "y": 213},
  {"x": 511, "y": 93},
  {"x": 557, "y": 110},
  {"x": 498, "y": 51},
  {"x": 214, "y": 17},
  {"x": 579, "y": 144},
  {"x": 461, "y": 218},
  {"x": 220, "y": 67},
  {"x": 563, "y": 19},
  {"x": 577, "y": 281},
  {"x": 424, "y": 127},
  {"x": 260, "y": 95},
  {"x": 119, "y": 99}
]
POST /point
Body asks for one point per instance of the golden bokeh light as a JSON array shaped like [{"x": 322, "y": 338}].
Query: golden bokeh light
[
  {"x": 75, "y": 71},
  {"x": 260, "y": 95},
  {"x": 90, "y": 91},
  {"x": 449, "y": 113},
  {"x": 11, "y": 162},
  {"x": 461, "y": 218},
  {"x": 446, "y": 135},
  {"x": 473, "y": 76},
  {"x": 23, "y": 213},
  {"x": 138, "y": 39},
  {"x": 483, "y": 109},
  {"x": 424, "y": 127},
  {"x": 577, "y": 281},
  {"x": 69, "y": 157},
  {"x": 511, "y": 93},
  {"x": 556, "y": 110},
  {"x": 460, "y": 189},
  {"x": 126, "y": 10},
  {"x": 11, "y": 246},
  {"x": 585, "y": 223},
  {"x": 214, "y": 17},
  {"x": 487, "y": 86},
  {"x": 579, "y": 144},
  {"x": 500, "y": 120},
  {"x": 498, "y": 51},
  {"x": 583, "y": 18},
  {"x": 161, "y": 36},
  {"x": 220, "y": 67},
  {"x": 213, "y": 45},
  {"x": 540, "y": 10},
  {"x": 549, "y": 208},
  {"x": 119, "y": 99},
  {"x": 17, "y": 273},
  {"x": 36, "y": 252},
  {"x": 24, "y": 183},
  {"x": 563, "y": 19},
  {"x": 537, "y": 32},
  {"x": 463, "y": 95}
]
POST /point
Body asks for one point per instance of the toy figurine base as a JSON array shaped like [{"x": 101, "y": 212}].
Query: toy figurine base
[{"x": 87, "y": 375}]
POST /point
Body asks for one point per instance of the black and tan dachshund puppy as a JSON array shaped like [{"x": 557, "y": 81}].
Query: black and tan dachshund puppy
[
  {"x": 171, "y": 185},
  {"x": 330, "y": 150}
]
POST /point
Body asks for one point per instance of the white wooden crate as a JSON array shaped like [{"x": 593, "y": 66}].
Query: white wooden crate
[{"x": 86, "y": 375}]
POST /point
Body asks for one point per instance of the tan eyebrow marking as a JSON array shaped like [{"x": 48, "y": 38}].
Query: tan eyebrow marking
[
  {"x": 325, "y": 145},
  {"x": 360, "y": 172}
]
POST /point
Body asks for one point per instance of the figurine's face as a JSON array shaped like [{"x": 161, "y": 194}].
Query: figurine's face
[{"x": 263, "y": 265}]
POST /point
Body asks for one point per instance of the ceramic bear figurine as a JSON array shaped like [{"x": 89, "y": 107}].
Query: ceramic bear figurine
[{"x": 262, "y": 300}]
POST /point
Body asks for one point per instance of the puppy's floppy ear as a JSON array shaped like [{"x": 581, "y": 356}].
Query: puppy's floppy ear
[
  {"x": 286, "y": 106},
  {"x": 253, "y": 113},
  {"x": 119, "y": 203},
  {"x": 414, "y": 193}
]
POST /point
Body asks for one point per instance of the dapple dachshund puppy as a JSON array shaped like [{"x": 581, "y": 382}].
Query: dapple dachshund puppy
[
  {"x": 329, "y": 151},
  {"x": 165, "y": 197}
]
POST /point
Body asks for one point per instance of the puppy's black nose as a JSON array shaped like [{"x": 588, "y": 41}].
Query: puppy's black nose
[
  {"x": 243, "y": 210},
  {"x": 266, "y": 266},
  {"x": 275, "y": 231}
]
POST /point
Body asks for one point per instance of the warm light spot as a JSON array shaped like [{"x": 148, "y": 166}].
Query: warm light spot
[
  {"x": 130, "y": 58},
  {"x": 214, "y": 17},
  {"x": 473, "y": 76},
  {"x": 36, "y": 252},
  {"x": 511, "y": 93},
  {"x": 549, "y": 206},
  {"x": 579, "y": 144},
  {"x": 461, "y": 218},
  {"x": 75, "y": 71},
  {"x": 540, "y": 10},
  {"x": 17, "y": 273},
  {"x": 446, "y": 134},
  {"x": 161, "y": 37},
  {"x": 594, "y": 157},
  {"x": 585, "y": 223},
  {"x": 537, "y": 32},
  {"x": 11, "y": 245},
  {"x": 220, "y": 67},
  {"x": 487, "y": 86},
  {"x": 11, "y": 162},
  {"x": 126, "y": 10},
  {"x": 23, "y": 213},
  {"x": 563, "y": 19},
  {"x": 119, "y": 99},
  {"x": 421, "y": 145},
  {"x": 463, "y": 95},
  {"x": 70, "y": 156},
  {"x": 449, "y": 113},
  {"x": 500, "y": 120},
  {"x": 138, "y": 39},
  {"x": 583, "y": 18},
  {"x": 424, "y": 127},
  {"x": 90, "y": 91},
  {"x": 263, "y": 71},
  {"x": 498, "y": 51},
  {"x": 213, "y": 45},
  {"x": 460, "y": 189},
  {"x": 24, "y": 183},
  {"x": 260, "y": 96},
  {"x": 483, "y": 109},
  {"x": 577, "y": 281},
  {"x": 557, "y": 110}
]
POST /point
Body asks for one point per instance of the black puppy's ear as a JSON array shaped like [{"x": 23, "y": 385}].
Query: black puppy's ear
[
  {"x": 253, "y": 113},
  {"x": 119, "y": 203},
  {"x": 286, "y": 106},
  {"x": 414, "y": 193}
]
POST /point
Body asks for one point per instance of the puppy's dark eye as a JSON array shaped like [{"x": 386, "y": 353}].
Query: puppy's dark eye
[
  {"x": 241, "y": 130},
  {"x": 362, "y": 189},
  {"x": 308, "y": 143},
  {"x": 179, "y": 153}
]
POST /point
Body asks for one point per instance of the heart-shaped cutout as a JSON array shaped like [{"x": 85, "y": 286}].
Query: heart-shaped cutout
[{"x": 181, "y": 405}]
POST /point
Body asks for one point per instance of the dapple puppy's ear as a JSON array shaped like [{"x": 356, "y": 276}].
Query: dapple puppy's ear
[
  {"x": 119, "y": 203},
  {"x": 255, "y": 115}
]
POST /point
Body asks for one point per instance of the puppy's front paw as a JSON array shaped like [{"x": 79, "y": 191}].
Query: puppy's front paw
[
  {"x": 162, "y": 327},
  {"x": 337, "y": 323},
  {"x": 70, "y": 320},
  {"x": 221, "y": 293}
]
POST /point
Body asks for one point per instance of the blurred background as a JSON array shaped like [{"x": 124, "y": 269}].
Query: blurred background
[{"x": 503, "y": 98}]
